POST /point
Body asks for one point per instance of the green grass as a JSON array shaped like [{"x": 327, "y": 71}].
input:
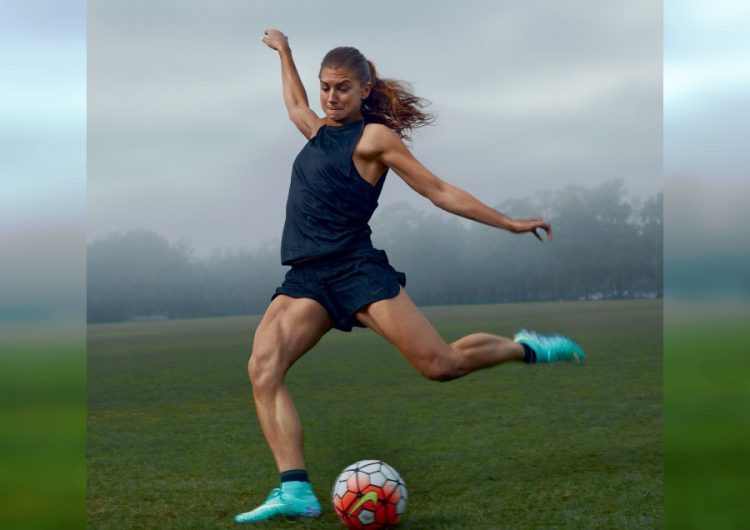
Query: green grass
[
  {"x": 42, "y": 433},
  {"x": 706, "y": 392},
  {"x": 173, "y": 441}
]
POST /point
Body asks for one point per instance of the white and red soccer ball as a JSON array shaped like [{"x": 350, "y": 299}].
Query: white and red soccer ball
[{"x": 369, "y": 494}]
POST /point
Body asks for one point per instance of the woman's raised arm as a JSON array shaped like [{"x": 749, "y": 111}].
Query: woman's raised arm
[
  {"x": 295, "y": 97},
  {"x": 392, "y": 152}
]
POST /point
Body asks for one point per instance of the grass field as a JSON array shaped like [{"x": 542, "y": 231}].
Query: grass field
[
  {"x": 43, "y": 427},
  {"x": 706, "y": 395},
  {"x": 173, "y": 441}
]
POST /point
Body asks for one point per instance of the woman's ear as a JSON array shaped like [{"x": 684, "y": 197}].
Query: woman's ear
[{"x": 366, "y": 90}]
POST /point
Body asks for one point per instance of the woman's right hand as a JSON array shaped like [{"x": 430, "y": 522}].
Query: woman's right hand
[
  {"x": 275, "y": 40},
  {"x": 520, "y": 226}
]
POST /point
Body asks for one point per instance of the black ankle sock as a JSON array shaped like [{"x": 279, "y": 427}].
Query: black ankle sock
[
  {"x": 296, "y": 475},
  {"x": 529, "y": 355}
]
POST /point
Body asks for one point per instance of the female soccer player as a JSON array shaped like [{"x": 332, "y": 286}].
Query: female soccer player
[{"x": 337, "y": 279}]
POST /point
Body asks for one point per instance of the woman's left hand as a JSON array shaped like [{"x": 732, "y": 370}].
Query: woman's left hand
[{"x": 532, "y": 225}]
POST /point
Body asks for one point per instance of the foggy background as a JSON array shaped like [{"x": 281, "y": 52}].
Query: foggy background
[
  {"x": 706, "y": 263},
  {"x": 610, "y": 247},
  {"x": 707, "y": 126},
  {"x": 188, "y": 135},
  {"x": 42, "y": 163},
  {"x": 42, "y": 263}
]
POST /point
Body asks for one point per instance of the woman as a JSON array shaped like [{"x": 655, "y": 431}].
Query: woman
[{"x": 337, "y": 278}]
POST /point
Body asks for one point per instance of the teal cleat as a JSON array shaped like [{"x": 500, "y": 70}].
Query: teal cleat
[
  {"x": 293, "y": 499},
  {"x": 551, "y": 348}
]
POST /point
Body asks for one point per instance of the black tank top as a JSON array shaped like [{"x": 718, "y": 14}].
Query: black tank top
[{"x": 329, "y": 204}]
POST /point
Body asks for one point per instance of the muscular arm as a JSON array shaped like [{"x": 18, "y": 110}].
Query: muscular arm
[
  {"x": 392, "y": 152},
  {"x": 457, "y": 201},
  {"x": 295, "y": 97}
]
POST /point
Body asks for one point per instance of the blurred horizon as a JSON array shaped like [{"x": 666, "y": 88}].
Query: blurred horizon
[
  {"x": 607, "y": 245},
  {"x": 706, "y": 263}
]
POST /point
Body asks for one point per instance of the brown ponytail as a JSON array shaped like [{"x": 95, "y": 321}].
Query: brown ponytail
[{"x": 390, "y": 102}]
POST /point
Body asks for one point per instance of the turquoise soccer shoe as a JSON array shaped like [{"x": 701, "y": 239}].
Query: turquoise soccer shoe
[
  {"x": 551, "y": 348},
  {"x": 293, "y": 501}
]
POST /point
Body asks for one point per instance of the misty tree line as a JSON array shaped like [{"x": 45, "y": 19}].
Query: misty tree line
[{"x": 606, "y": 245}]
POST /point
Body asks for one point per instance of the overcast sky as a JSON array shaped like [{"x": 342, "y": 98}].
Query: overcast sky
[
  {"x": 707, "y": 90},
  {"x": 188, "y": 134}
]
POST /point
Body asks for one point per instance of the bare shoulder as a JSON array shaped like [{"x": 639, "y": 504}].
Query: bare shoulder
[
  {"x": 378, "y": 138},
  {"x": 313, "y": 127},
  {"x": 306, "y": 120}
]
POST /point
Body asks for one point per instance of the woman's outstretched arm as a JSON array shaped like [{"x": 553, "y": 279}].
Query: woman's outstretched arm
[
  {"x": 392, "y": 152},
  {"x": 295, "y": 97}
]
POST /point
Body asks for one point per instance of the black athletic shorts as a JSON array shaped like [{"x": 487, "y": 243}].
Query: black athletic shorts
[{"x": 344, "y": 283}]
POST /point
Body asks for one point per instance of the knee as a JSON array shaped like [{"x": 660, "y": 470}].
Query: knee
[
  {"x": 264, "y": 368},
  {"x": 441, "y": 367}
]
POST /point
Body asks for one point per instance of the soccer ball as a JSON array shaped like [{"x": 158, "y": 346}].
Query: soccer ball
[{"x": 369, "y": 494}]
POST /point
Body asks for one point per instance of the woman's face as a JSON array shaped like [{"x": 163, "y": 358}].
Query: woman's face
[{"x": 341, "y": 95}]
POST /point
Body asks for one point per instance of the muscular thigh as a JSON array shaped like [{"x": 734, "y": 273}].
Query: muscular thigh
[
  {"x": 289, "y": 328},
  {"x": 405, "y": 326}
]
